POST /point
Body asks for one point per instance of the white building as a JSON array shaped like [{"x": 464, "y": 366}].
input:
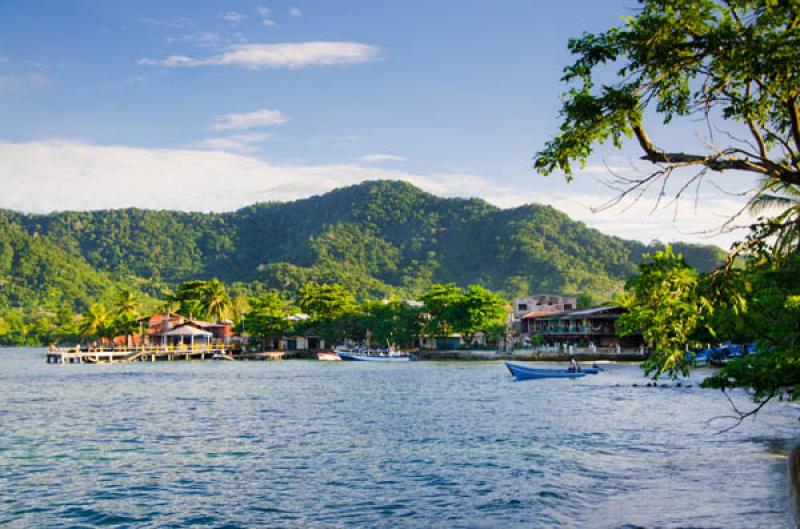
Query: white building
[{"x": 543, "y": 303}]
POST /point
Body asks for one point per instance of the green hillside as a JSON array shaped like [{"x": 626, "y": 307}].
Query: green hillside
[
  {"x": 375, "y": 238},
  {"x": 34, "y": 271}
]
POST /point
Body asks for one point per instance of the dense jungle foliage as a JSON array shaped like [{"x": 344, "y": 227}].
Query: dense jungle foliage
[{"x": 376, "y": 239}]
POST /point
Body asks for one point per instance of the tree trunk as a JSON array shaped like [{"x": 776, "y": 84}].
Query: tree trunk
[{"x": 794, "y": 482}]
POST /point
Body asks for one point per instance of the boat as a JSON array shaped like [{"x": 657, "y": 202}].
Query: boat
[
  {"x": 328, "y": 356},
  {"x": 581, "y": 369},
  {"x": 526, "y": 373},
  {"x": 360, "y": 354},
  {"x": 377, "y": 357}
]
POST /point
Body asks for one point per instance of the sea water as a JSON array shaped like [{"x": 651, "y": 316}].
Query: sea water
[{"x": 302, "y": 444}]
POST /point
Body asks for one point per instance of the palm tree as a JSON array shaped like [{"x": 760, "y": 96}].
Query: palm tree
[
  {"x": 214, "y": 303},
  {"x": 240, "y": 307},
  {"x": 125, "y": 311},
  {"x": 775, "y": 194},
  {"x": 126, "y": 302},
  {"x": 785, "y": 226},
  {"x": 96, "y": 323}
]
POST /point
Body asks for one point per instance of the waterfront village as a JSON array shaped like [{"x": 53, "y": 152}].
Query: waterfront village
[{"x": 541, "y": 326}]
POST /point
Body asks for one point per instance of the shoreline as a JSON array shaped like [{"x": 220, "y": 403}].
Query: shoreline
[{"x": 423, "y": 355}]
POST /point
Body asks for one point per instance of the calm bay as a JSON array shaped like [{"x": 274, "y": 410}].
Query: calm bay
[{"x": 349, "y": 444}]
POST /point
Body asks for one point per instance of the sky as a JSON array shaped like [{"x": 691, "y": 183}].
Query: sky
[{"x": 212, "y": 106}]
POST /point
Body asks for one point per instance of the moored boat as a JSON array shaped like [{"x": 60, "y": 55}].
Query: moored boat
[
  {"x": 526, "y": 373},
  {"x": 377, "y": 357},
  {"x": 542, "y": 370},
  {"x": 328, "y": 356},
  {"x": 360, "y": 354}
]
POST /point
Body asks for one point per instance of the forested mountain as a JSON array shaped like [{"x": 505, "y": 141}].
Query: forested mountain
[
  {"x": 35, "y": 271},
  {"x": 375, "y": 238}
]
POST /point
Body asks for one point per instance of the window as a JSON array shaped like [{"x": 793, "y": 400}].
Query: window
[{"x": 523, "y": 306}]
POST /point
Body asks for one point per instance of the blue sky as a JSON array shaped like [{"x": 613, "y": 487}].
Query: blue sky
[{"x": 220, "y": 104}]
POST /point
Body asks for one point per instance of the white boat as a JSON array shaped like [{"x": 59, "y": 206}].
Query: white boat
[
  {"x": 361, "y": 354},
  {"x": 328, "y": 356}
]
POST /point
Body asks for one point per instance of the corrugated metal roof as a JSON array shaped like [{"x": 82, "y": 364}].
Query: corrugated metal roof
[
  {"x": 532, "y": 315},
  {"x": 582, "y": 313}
]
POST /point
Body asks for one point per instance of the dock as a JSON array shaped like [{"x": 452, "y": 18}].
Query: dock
[
  {"x": 140, "y": 354},
  {"x": 94, "y": 355}
]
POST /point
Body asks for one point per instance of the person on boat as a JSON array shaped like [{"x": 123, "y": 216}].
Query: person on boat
[{"x": 573, "y": 365}]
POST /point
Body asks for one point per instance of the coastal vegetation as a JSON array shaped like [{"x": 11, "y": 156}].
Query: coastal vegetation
[
  {"x": 377, "y": 240},
  {"x": 732, "y": 66},
  {"x": 329, "y": 312}
]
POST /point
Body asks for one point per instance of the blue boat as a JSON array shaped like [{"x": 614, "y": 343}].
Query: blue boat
[
  {"x": 581, "y": 369},
  {"x": 526, "y": 373},
  {"x": 699, "y": 358}
]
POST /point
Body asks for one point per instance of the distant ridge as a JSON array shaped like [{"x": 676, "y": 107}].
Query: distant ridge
[{"x": 377, "y": 238}]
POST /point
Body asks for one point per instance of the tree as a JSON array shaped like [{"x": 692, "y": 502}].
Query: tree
[
  {"x": 240, "y": 307},
  {"x": 440, "y": 302},
  {"x": 125, "y": 312},
  {"x": 496, "y": 332},
  {"x": 202, "y": 299},
  {"x": 394, "y": 323},
  {"x": 186, "y": 298},
  {"x": 732, "y": 61},
  {"x": 325, "y": 302},
  {"x": 770, "y": 289},
  {"x": 334, "y": 312},
  {"x": 665, "y": 307},
  {"x": 476, "y": 310},
  {"x": 267, "y": 315},
  {"x": 731, "y": 64},
  {"x": 784, "y": 228},
  {"x": 96, "y": 323},
  {"x": 214, "y": 302}
]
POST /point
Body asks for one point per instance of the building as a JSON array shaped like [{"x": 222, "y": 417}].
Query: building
[
  {"x": 452, "y": 342},
  {"x": 170, "y": 328},
  {"x": 300, "y": 343},
  {"x": 543, "y": 303},
  {"x": 595, "y": 327}
]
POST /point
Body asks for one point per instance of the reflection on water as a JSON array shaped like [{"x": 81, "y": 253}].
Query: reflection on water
[{"x": 339, "y": 444}]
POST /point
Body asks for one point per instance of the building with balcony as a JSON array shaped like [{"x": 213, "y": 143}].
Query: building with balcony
[{"x": 596, "y": 326}]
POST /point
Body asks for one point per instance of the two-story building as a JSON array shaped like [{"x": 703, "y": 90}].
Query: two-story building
[
  {"x": 595, "y": 326},
  {"x": 170, "y": 328}
]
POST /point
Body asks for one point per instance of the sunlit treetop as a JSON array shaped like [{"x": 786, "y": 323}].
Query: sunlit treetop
[{"x": 736, "y": 61}]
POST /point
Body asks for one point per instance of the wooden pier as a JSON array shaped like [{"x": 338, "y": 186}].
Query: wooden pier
[{"x": 139, "y": 354}]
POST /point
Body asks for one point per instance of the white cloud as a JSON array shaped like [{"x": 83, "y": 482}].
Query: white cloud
[
  {"x": 248, "y": 120},
  {"x": 14, "y": 82},
  {"x": 233, "y": 16},
  {"x": 49, "y": 175},
  {"x": 378, "y": 158},
  {"x": 646, "y": 220},
  {"x": 234, "y": 143},
  {"x": 202, "y": 38},
  {"x": 295, "y": 12},
  {"x": 288, "y": 55},
  {"x": 264, "y": 12}
]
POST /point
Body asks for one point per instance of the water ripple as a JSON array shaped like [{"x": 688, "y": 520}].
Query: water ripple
[{"x": 311, "y": 444}]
